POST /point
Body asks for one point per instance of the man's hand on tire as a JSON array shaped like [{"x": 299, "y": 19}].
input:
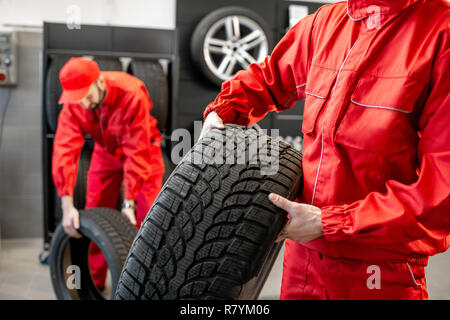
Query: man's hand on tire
[
  {"x": 129, "y": 213},
  {"x": 212, "y": 121},
  {"x": 304, "y": 222},
  {"x": 70, "y": 219}
]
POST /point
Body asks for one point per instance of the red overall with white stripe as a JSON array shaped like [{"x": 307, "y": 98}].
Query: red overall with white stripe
[{"x": 376, "y": 141}]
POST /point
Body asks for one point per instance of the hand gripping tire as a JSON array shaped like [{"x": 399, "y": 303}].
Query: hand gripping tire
[
  {"x": 210, "y": 232},
  {"x": 113, "y": 234},
  {"x": 79, "y": 194}
]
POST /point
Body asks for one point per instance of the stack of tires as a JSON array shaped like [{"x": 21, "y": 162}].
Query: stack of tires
[{"x": 155, "y": 80}]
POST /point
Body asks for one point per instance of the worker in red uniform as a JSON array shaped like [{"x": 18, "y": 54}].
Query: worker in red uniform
[
  {"x": 376, "y": 152},
  {"x": 114, "y": 109}
]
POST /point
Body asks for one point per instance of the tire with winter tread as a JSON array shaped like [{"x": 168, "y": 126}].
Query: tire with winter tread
[
  {"x": 113, "y": 234},
  {"x": 210, "y": 231}
]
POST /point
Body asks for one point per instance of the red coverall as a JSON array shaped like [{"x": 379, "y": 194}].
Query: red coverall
[
  {"x": 376, "y": 142},
  {"x": 127, "y": 148}
]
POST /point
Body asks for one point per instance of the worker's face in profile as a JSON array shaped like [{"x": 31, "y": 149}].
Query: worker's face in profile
[{"x": 95, "y": 96}]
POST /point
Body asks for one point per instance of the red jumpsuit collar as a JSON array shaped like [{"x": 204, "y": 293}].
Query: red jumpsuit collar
[{"x": 360, "y": 9}]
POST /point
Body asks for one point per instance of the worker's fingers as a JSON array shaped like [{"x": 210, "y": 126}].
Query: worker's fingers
[
  {"x": 281, "y": 237},
  {"x": 129, "y": 213},
  {"x": 75, "y": 234},
  {"x": 132, "y": 220},
  {"x": 71, "y": 222},
  {"x": 208, "y": 127},
  {"x": 281, "y": 202},
  {"x": 219, "y": 125},
  {"x": 72, "y": 232},
  {"x": 76, "y": 224},
  {"x": 205, "y": 130},
  {"x": 284, "y": 232}
]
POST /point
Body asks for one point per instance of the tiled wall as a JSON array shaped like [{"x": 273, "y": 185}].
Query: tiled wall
[{"x": 20, "y": 149}]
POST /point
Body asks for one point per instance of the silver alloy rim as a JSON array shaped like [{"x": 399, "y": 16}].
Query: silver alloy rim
[{"x": 232, "y": 44}]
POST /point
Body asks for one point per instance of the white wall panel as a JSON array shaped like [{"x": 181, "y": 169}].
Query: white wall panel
[{"x": 133, "y": 13}]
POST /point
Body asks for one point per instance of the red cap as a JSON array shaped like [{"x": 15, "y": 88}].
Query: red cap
[{"x": 76, "y": 77}]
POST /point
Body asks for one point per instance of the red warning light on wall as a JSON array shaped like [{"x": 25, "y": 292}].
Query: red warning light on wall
[{"x": 2, "y": 77}]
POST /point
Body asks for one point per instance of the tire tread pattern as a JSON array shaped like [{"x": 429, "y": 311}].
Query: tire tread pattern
[{"x": 209, "y": 229}]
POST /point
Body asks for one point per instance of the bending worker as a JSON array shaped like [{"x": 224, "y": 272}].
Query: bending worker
[
  {"x": 376, "y": 163},
  {"x": 114, "y": 108}
]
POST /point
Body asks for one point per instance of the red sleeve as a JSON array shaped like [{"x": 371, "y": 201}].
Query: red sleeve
[
  {"x": 420, "y": 211},
  {"x": 273, "y": 85},
  {"x": 137, "y": 141},
  {"x": 69, "y": 141}
]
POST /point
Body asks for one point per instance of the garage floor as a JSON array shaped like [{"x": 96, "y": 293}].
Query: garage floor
[{"x": 23, "y": 277}]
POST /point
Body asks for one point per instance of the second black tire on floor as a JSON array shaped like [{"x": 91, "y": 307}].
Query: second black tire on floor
[{"x": 69, "y": 257}]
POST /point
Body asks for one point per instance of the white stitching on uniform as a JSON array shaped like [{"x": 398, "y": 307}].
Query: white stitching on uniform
[
  {"x": 379, "y": 107},
  {"x": 412, "y": 275}
]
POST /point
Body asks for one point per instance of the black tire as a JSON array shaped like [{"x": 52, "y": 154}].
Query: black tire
[
  {"x": 155, "y": 80},
  {"x": 108, "y": 64},
  {"x": 210, "y": 232},
  {"x": 201, "y": 30},
  {"x": 112, "y": 233},
  {"x": 79, "y": 194},
  {"x": 53, "y": 91}
]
